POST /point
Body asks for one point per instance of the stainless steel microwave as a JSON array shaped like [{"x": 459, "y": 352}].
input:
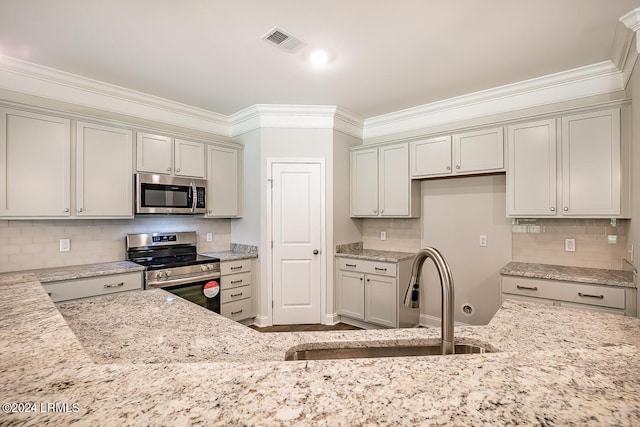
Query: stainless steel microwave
[{"x": 161, "y": 194}]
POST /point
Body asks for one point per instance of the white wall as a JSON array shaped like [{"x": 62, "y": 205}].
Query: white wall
[
  {"x": 633, "y": 237},
  {"x": 345, "y": 228},
  {"x": 455, "y": 212},
  {"x": 246, "y": 230}
]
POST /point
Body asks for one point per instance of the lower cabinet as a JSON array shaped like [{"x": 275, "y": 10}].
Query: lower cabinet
[
  {"x": 609, "y": 299},
  {"x": 66, "y": 290},
  {"x": 236, "y": 302},
  {"x": 373, "y": 292}
]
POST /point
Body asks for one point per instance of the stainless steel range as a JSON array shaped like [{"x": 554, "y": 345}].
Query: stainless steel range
[{"x": 174, "y": 265}]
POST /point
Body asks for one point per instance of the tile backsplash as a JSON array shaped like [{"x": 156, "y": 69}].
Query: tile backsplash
[
  {"x": 403, "y": 235},
  {"x": 35, "y": 244},
  {"x": 543, "y": 241}
]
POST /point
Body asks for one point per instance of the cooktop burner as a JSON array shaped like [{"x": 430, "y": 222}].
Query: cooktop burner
[
  {"x": 173, "y": 261},
  {"x": 165, "y": 250}
]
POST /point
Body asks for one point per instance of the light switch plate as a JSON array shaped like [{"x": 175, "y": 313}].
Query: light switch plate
[
  {"x": 209, "y": 237},
  {"x": 569, "y": 245},
  {"x": 483, "y": 241},
  {"x": 65, "y": 245},
  {"x": 383, "y": 235}
]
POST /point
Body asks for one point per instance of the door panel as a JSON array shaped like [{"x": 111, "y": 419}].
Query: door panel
[{"x": 296, "y": 225}]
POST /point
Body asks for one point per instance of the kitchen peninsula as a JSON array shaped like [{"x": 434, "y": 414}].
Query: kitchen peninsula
[{"x": 142, "y": 357}]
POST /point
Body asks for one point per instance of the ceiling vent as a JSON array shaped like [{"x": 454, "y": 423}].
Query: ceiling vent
[{"x": 280, "y": 38}]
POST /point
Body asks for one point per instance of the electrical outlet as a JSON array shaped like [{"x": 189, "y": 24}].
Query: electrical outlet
[
  {"x": 483, "y": 241},
  {"x": 630, "y": 251},
  {"x": 569, "y": 245},
  {"x": 383, "y": 235},
  {"x": 612, "y": 239},
  {"x": 209, "y": 237},
  {"x": 65, "y": 245}
]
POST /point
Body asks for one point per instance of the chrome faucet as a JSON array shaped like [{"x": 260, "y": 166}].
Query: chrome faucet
[{"x": 412, "y": 297}]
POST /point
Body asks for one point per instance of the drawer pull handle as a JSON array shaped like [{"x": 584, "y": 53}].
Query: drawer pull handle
[
  {"x": 233, "y": 282},
  {"x": 350, "y": 265},
  {"x": 233, "y": 313},
  {"x": 115, "y": 285},
  {"x": 380, "y": 269},
  {"x": 580, "y": 294},
  {"x": 236, "y": 295},
  {"x": 528, "y": 288},
  {"x": 236, "y": 267}
]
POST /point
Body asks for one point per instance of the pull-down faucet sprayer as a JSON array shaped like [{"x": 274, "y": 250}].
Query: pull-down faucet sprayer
[{"x": 412, "y": 297}]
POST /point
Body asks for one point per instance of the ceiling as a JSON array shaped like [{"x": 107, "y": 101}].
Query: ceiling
[{"x": 388, "y": 54}]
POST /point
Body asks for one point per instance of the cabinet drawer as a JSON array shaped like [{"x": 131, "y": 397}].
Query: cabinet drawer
[
  {"x": 93, "y": 286},
  {"x": 365, "y": 266},
  {"x": 235, "y": 294},
  {"x": 604, "y": 296},
  {"x": 235, "y": 280},
  {"x": 237, "y": 310},
  {"x": 233, "y": 267}
]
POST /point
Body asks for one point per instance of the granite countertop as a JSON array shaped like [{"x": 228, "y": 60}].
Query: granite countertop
[
  {"x": 570, "y": 274},
  {"x": 236, "y": 252},
  {"x": 376, "y": 255},
  {"x": 54, "y": 274},
  {"x": 147, "y": 358}
]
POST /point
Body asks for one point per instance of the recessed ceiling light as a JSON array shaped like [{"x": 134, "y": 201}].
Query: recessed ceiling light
[{"x": 319, "y": 56}]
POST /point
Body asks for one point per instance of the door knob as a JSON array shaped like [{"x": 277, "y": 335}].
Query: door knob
[{"x": 315, "y": 252}]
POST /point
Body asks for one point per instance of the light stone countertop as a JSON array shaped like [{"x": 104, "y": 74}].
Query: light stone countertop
[
  {"x": 54, "y": 274},
  {"x": 237, "y": 252},
  {"x": 570, "y": 274},
  {"x": 145, "y": 358},
  {"x": 376, "y": 255}
]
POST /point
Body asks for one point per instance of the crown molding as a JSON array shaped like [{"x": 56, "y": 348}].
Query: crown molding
[
  {"x": 295, "y": 117},
  {"x": 33, "y": 79},
  {"x": 596, "y": 79},
  {"x": 632, "y": 20},
  {"x": 624, "y": 52}
]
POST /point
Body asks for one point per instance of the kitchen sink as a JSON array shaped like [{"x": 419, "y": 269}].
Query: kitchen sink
[{"x": 380, "y": 351}]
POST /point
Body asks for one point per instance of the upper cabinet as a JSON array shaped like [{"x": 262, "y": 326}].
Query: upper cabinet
[
  {"x": 164, "y": 155},
  {"x": 466, "y": 153},
  {"x": 589, "y": 180},
  {"x": 35, "y": 153},
  {"x": 591, "y": 143},
  {"x": 104, "y": 170},
  {"x": 531, "y": 172},
  {"x": 380, "y": 183},
  {"x": 224, "y": 182}
]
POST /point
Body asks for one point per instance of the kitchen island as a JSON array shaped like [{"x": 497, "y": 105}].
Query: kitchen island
[{"x": 148, "y": 358}]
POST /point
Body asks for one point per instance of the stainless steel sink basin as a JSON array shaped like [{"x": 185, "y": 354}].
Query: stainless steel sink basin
[{"x": 378, "y": 351}]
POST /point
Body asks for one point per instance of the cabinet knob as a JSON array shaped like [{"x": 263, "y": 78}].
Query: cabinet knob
[
  {"x": 552, "y": 209},
  {"x": 448, "y": 168},
  {"x": 169, "y": 169},
  {"x": 178, "y": 170},
  {"x": 209, "y": 211},
  {"x": 79, "y": 209},
  {"x": 381, "y": 211},
  {"x": 375, "y": 211},
  {"x": 566, "y": 208},
  {"x": 315, "y": 252},
  {"x": 66, "y": 209},
  {"x": 457, "y": 166}
]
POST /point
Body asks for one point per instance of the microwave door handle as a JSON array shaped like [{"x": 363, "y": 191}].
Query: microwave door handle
[{"x": 194, "y": 196}]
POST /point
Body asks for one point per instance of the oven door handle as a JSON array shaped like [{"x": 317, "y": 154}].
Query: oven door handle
[{"x": 183, "y": 280}]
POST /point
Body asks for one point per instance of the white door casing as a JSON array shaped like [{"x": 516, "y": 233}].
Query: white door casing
[{"x": 296, "y": 224}]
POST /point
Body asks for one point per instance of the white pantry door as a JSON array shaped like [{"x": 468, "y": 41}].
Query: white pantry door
[{"x": 296, "y": 233}]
